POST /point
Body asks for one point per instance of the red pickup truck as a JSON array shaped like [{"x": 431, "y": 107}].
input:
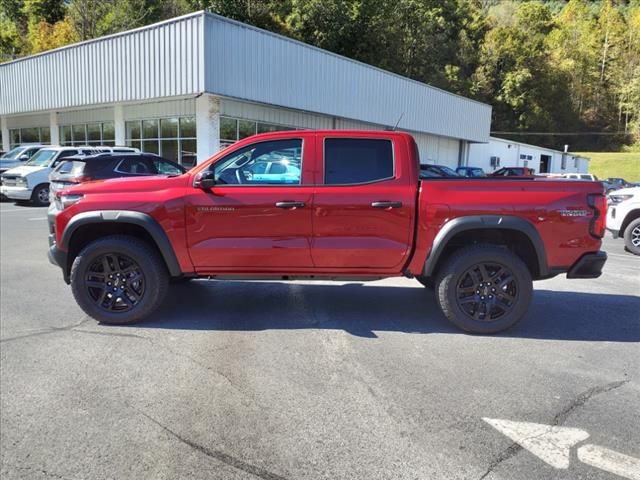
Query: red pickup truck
[{"x": 338, "y": 205}]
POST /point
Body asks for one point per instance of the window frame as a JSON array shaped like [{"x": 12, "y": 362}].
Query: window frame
[
  {"x": 211, "y": 167},
  {"x": 324, "y": 170}
]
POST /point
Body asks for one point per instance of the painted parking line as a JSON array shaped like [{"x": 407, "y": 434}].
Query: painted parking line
[
  {"x": 552, "y": 445},
  {"x": 610, "y": 461},
  {"x": 36, "y": 218},
  {"x": 620, "y": 255},
  {"x": 13, "y": 210}
]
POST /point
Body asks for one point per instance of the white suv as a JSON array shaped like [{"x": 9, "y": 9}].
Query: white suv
[
  {"x": 30, "y": 181},
  {"x": 623, "y": 217}
]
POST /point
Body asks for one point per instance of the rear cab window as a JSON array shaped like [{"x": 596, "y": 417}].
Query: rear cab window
[{"x": 354, "y": 161}]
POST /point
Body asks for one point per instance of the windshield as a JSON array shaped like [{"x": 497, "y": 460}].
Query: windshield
[
  {"x": 42, "y": 158},
  {"x": 13, "y": 154}
]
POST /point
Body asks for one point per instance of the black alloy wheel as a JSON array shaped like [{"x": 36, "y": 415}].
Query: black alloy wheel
[
  {"x": 119, "y": 279},
  {"x": 487, "y": 291},
  {"x": 115, "y": 282},
  {"x": 484, "y": 288}
]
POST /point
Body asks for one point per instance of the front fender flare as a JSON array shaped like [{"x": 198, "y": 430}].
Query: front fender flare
[{"x": 148, "y": 223}]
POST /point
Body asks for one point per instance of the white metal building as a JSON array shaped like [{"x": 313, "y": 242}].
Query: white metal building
[
  {"x": 185, "y": 87},
  {"x": 507, "y": 153}
]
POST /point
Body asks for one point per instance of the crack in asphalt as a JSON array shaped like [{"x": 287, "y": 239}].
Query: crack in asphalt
[
  {"x": 217, "y": 454},
  {"x": 72, "y": 328},
  {"x": 558, "y": 419},
  {"x": 46, "y": 332},
  {"x": 39, "y": 470},
  {"x": 583, "y": 398}
]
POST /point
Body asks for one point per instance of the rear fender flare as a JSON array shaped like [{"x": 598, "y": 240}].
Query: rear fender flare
[{"x": 485, "y": 222}]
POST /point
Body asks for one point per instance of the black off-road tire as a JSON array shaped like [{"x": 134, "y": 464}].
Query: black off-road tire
[
  {"x": 463, "y": 267},
  {"x": 427, "y": 282},
  {"x": 632, "y": 237},
  {"x": 38, "y": 195},
  {"x": 127, "y": 251}
]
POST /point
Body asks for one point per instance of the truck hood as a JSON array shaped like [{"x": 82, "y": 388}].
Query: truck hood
[
  {"x": 24, "y": 170},
  {"x": 136, "y": 184}
]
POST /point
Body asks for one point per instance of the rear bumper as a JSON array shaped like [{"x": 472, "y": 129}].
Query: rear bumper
[{"x": 588, "y": 266}]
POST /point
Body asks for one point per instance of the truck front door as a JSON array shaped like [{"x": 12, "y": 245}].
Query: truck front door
[{"x": 250, "y": 220}]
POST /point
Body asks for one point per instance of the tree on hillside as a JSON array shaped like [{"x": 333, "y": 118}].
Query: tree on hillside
[{"x": 516, "y": 78}]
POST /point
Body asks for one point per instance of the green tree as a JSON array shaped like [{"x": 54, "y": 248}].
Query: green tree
[
  {"x": 51, "y": 11},
  {"x": 516, "y": 78}
]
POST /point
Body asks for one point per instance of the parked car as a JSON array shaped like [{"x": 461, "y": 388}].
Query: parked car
[
  {"x": 358, "y": 210},
  {"x": 434, "y": 171},
  {"x": 612, "y": 184},
  {"x": 513, "y": 172},
  {"x": 17, "y": 156},
  {"x": 78, "y": 169},
  {"x": 30, "y": 182},
  {"x": 471, "y": 172},
  {"x": 587, "y": 177},
  {"x": 623, "y": 217}
]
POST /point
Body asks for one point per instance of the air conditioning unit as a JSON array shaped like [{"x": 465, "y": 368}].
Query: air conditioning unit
[{"x": 495, "y": 162}]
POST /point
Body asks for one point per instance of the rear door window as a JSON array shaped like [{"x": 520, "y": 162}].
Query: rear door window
[
  {"x": 351, "y": 161},
  {"x": 136, "y": 166}
]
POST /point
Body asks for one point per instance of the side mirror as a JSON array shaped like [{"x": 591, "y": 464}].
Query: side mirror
[
  {"x": 23, "y": 157},
  {"x": 205, "y": 180}
]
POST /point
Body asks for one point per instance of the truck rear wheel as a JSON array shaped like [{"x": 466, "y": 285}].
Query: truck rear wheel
[
  {"x": 484, "y": 289},
  {"x": 119, "y": 279},
  {"x": 632, "y": 237}
]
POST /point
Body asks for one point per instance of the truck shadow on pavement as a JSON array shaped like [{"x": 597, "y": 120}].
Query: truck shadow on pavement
[{"x": 362, "y": 309}]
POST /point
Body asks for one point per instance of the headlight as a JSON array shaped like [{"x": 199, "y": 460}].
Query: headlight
[
  {"x": 21, "y": 182},
  {"x": 616, "y": 199},
  {"x": 66, "y": 200}
]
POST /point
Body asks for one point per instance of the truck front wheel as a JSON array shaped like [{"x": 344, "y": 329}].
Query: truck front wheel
[
  {"x": 119, "y": 279},
  {"x": 484, "y": 289}
]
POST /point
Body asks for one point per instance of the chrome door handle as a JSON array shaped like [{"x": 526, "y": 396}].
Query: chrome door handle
[
  {"x": 290, "y": 205},
  {"x": 386, "y": 204}
]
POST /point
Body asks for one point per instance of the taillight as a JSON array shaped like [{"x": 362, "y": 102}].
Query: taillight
[{"x": 599, "y": 221}]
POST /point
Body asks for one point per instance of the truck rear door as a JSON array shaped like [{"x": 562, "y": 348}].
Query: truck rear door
[{"x": 364, "y": 203}]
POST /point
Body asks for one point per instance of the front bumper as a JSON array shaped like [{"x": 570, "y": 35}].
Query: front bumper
[
  {"x": 588, "y": 266},
  {"x": 16, "y": 193},
  {"x": 56, "y": 256}
]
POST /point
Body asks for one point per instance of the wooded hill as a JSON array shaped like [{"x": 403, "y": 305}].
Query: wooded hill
[{"x": 555, "y": 72}]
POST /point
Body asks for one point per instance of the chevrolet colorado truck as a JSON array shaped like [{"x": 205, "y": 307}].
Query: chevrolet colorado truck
[{"x": 345, "y": 205}]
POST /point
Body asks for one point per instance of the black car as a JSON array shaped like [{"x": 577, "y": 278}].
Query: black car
[
  {"x": 435, "y": 171},
  {"x": 471, "y": 172},
  {"x": 74, "y": 170},
  {"x": 613, "y": 184}
]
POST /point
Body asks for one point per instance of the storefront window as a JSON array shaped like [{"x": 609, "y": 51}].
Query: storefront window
[
  {"x": 19, "y": 136},
  {"x": 87, "y": 134},
  {"x": 173, "y": 138},
  {"x": 234, "y": 129}
]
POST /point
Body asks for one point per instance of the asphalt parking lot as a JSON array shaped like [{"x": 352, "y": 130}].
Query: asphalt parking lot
[{"x": 307, "y": 380}]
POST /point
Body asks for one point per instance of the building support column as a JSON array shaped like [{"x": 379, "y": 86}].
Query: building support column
[
  {"x": 118, "y": 125},
  {"x": 53, "y": 128},
  {"x": 4, "y": 131},
  {"x": 207, "y": 126}
]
